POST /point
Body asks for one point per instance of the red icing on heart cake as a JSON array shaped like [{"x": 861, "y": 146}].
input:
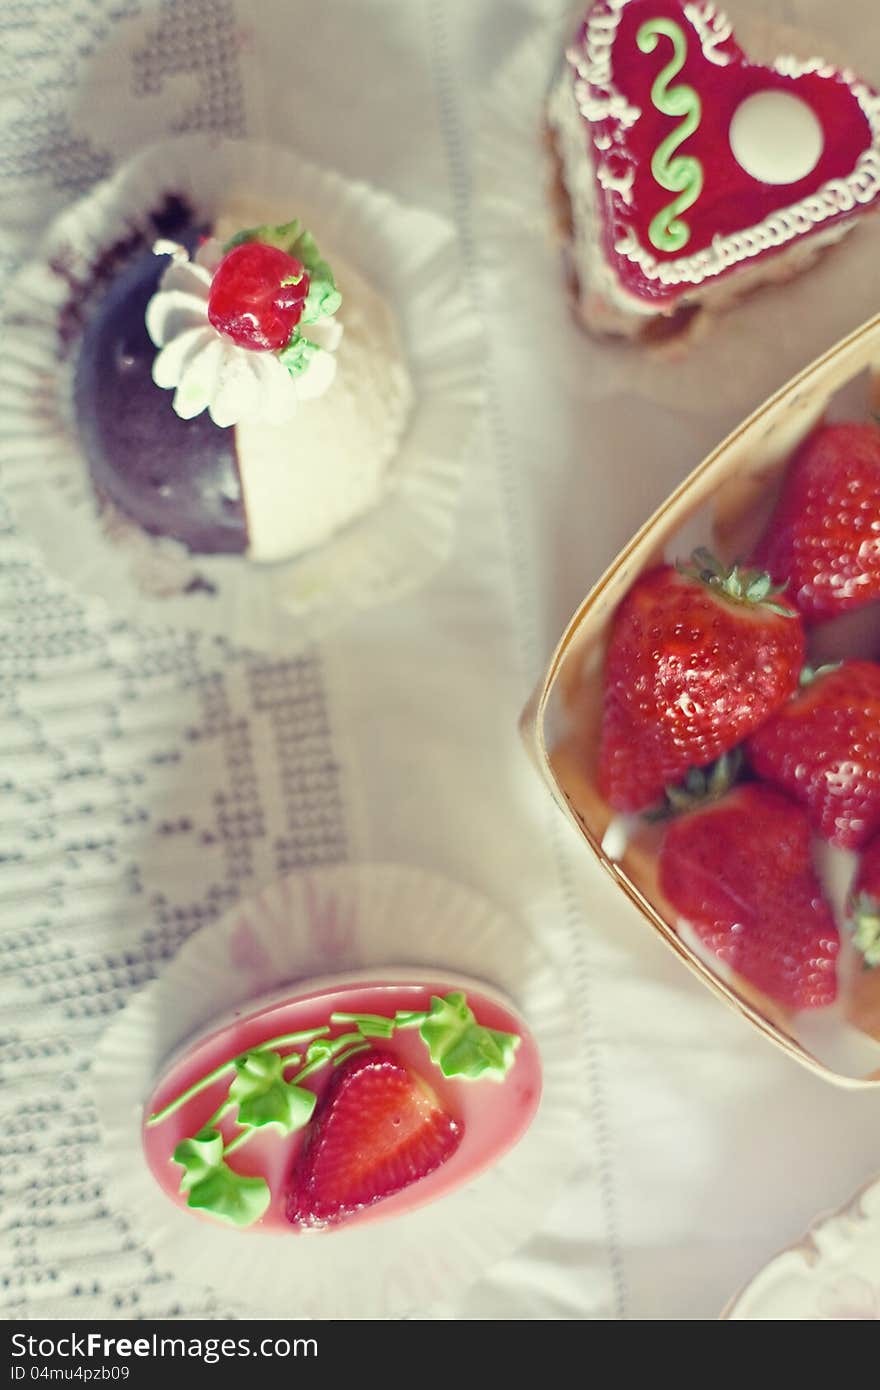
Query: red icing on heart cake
[{"x": 685, "y": 164}]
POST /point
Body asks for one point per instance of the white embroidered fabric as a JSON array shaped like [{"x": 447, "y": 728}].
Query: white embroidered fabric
[{"x": 147, "y": 780}]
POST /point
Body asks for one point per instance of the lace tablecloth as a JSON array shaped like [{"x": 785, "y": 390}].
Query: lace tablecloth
[{"x": 148, "y": 781}]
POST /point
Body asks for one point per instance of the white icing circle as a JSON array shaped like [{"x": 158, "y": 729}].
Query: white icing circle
[{"x": 776, "y": 137}]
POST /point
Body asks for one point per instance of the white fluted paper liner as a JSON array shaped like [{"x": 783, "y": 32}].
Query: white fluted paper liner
[
  {"x": 731, "y": 365},
  {"x": 312, "y": 925},
  {"x": 831, "y": 1275},
  {"x": 409, "y": 256}
]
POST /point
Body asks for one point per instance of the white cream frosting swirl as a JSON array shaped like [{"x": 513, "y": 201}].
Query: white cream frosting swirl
[{"x": 207, "y": 370}]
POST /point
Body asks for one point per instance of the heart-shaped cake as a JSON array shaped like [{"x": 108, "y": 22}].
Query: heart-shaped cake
[{"x": 689, "y": 173}]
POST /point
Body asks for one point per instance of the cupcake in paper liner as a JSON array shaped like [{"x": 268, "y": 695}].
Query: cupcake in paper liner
[
  {"x": 307, "y": 1113},
  {"x": 241, "y": 393}
]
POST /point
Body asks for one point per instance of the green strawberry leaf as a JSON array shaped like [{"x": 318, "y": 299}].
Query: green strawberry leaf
[
  {"x": 263, "y": 1096},
  {"x": 460, "y": 1046},
  {"x": 865, "y": 914},
  {"x": 212, "y": 1186},
  {"x": 809, "y": 674},
  {"x": 701, "y": 787},
  {"x": 749, "y": 586}
]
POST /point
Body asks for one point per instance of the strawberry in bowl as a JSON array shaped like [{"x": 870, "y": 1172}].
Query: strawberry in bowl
[
  {"x": 699, "y": 656},
  {"x": 712, "y": 725},
  {"x": 823, "y": 749},
  {"x": 740, "y": 874},
  {"x": 342, "y": 1101},
  {"x": 823, "y": 539}
]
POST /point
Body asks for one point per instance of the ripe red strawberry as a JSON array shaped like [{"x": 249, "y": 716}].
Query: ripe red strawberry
[
  {"x": 697, "y": 659},
  {"x": 823, "y": 748},
  {"x": 257, "y": 296},
  {"x": 824, "y": 535},
  {"x": 864, "y": 905},
  {"x": 740, "y": 873},
  {"x": 378, "y": 1128}
]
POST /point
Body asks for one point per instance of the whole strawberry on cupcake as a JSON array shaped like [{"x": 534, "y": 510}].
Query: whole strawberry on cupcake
[
  {"x": 228, "y": 403},
  {"x": 245, "y": 389}
]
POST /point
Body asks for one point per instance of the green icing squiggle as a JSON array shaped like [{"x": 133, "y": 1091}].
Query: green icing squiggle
[{"x": 681, "y": 174}]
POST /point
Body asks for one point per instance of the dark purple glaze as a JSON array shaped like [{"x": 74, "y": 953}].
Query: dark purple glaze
[{"x": 174, "y": 477}]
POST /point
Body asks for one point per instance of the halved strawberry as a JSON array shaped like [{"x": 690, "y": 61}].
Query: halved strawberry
[
  {"x": 740, "y": 873},
  {"x": 823, "y": 748},
  {"x": 824, "y": 535},
  {"x": 378, "y": 1129},
  {"x": 698, "y": 658}
]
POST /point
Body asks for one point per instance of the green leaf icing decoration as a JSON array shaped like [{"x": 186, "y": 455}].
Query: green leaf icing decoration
[
  {"x": 682, "y": 174},
  {"x": 460, "y": 1046},
  {"x": 298, "y": 354},
  {"x": 199, "y": 1157},
  {"x": 352, "y": 1051},
  {"x": 327, "y": 1050},
  {"x": 323, "y": 298},
  {"x": 286, "y": 1040},
  {"x": 370, "y": 1025},
  {"x": 283, "y": 236},
  {"x": 211, "y": 1185},
  {"x": 263, "y": 1096}
]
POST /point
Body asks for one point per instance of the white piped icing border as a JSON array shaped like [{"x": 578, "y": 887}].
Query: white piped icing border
[
  {"x": 591, "y": 62},
  {"x": 713, "y": 29},
  {"x": 836, "y": 196}
]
